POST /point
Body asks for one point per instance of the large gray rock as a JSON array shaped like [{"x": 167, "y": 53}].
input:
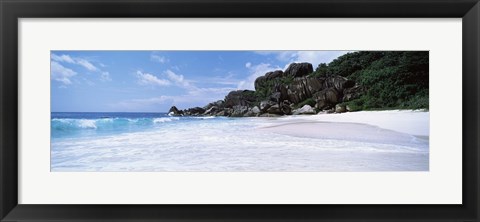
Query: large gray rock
[
  {"x": 174, "y": 111},
  {"x": 249, "y": 113},
  {"x": 228, "y": 111},
  {"x": 275, "y": 109},
  {"x": 338, "y": 82},
  {"x": 280, "y": 93},
  {"x": 273, "y": 75},
  {"x": 260, "y": 81},
  {"x": 195, "y": 111},
  {"x": 239, "y": 111},
  {"x": 303, "y": 88},
  {"x": 340, "y": 108},
  {"x": 219, "y": 104},
  {"x": 239, "y": 98},
  {"x": 211, "y": 111},
  {"x": 326, "y": 98},
  {"x": 299, "y": 69},
  {"x": 280, "y": 109},
  {"x": 221, "y": 113},
  {"x": 264, "y": 105},
  {"x": 285, "y": 107},
  {"x": 305, "y": 110},
  {"x": 256, "y": 110}
]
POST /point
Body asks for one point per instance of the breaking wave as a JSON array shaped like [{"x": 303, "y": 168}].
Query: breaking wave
[{"x": 93, "y": 124}]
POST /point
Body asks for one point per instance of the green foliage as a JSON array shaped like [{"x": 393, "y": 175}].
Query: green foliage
[
  {"x": 347, "y": 64},
  {"x": 417, "y": 102},
  {"x": 267, "y": 87},
  {"x": 393, "y": 79},
  {"x": 321, "y": 71},
  {"x": 265, "y": 90},
  {"x": 249, "y": 94},
  {"x": 286, "y": 80},
  {"x": 397, "y": 80},
  {"x": 357, "y": 104}
]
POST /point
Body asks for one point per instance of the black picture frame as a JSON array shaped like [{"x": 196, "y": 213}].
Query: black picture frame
[{"x": 12, "y": 10}]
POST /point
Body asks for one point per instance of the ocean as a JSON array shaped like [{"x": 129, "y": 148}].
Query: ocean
[
  {"x": 157, "y": 142},
  {"x": 89, "y": 124}
]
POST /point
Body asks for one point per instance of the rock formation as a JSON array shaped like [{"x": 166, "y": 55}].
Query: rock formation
[
  {"x": 306, "y": 109},
  {"x": 299, "y": 69},
  {"x": 286, "y": 92},
  {"x": 174, "y": 111}
]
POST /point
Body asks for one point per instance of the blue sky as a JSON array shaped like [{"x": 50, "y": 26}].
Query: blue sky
[{"x": 153, "y": 81}]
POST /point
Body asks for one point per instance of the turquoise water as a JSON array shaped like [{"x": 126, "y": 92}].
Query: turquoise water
[{"x": 75, "y": 124}]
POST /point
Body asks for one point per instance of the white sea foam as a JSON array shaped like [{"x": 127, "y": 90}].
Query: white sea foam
[
  {"x": 165, "y": 119},
  {"x": 132, "y": 120},
  {"x": 87, "y": 124},
  {"x": 204, "y": 117},
  {"x": 62, "y": 120},
  {"x": 106, "y": 120}
]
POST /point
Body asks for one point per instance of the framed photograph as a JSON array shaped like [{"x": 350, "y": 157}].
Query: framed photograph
[{"x": 226, "y": 110}]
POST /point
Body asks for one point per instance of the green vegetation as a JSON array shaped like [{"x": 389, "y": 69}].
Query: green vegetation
[
  {"x": 287, "y": 80},
  {"x": 267, "y": 87},
  {"x": 393, "y": 79},
  {"x": 265, "y": 90},
  {"x": 356, "y": 105}
]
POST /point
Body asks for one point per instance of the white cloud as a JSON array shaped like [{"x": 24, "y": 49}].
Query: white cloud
[
  {"x": 286, "y": 56},
  {"x": 192, "y": 90},
  {"x": 62, "y": 58},
  {"x": 150, "y": 79},
  {"x": 254, "y": 72},
  {"x": 228, "y": 79},
  {"x": 178, "y": 79},
  {"x": 158, "y": 58},
  {"x": 282, "y": 56},
  {"x": 60, "y": 73},
  {"x": 87, "y": 65},
  {"x": 317, "y": 57},
  {"x": 78, "y": 61},
  {"x": 313, "y": 57},
  {"x": 105, "y": 76}
]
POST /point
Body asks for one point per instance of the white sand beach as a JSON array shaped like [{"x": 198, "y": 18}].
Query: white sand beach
[
  {"x": 412, "y": 122},
  {"x": 396, "y": 140}
]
